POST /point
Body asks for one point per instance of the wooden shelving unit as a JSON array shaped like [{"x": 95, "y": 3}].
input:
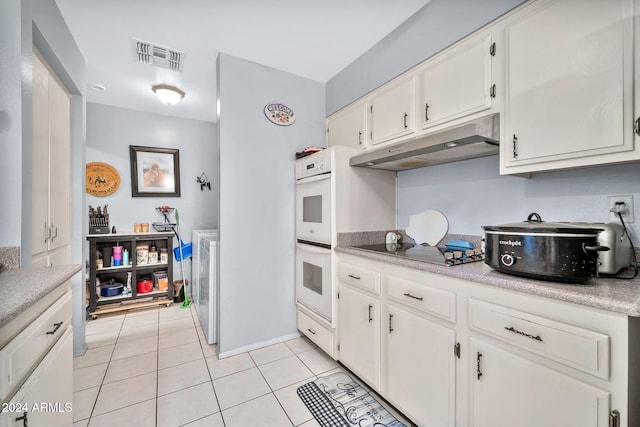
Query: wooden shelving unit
[{"x": 102, "y": 305}]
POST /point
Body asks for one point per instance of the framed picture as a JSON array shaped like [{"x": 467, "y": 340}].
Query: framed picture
[{"x": 155, "y": 172}]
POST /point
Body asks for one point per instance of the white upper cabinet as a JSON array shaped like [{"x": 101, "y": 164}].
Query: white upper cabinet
[
  {"x": 458, "y": 82},
  {"x": 393, "y": 110},
  {"x": 348, "y": 126},
  {"x": 568, "y": 86}
]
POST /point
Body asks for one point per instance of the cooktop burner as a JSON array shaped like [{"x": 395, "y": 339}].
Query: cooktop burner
[{"x": 424, "y": 253}]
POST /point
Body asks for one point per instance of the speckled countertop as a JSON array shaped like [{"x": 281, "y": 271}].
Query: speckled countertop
[
  {"x": 620, "y": 296},
  {"x": 20, "y": 288}
]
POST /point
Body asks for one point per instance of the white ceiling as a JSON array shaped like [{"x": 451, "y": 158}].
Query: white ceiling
[{"x": 315, "y": 39}]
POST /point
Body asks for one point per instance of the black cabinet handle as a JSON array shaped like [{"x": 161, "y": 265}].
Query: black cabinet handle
[
  {"x": 55, "y": 329},
  {"x": 426, "y": 112},
  {"x": 370, "y": 318},
  {"x": 390, "y": 323},
  {"x": 405, "y": 120}
]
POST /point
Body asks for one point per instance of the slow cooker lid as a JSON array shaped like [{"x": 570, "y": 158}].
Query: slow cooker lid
[{"x": 535, "y": 225}]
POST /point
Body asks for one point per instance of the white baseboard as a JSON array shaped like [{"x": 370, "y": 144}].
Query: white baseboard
[{"x": 255, "y": 346}]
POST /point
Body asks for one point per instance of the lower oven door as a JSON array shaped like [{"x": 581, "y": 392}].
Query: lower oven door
[{"x": 313, "y": 279}]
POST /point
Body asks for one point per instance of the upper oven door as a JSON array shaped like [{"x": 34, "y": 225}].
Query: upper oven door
[{"x": 313, "y": 209}]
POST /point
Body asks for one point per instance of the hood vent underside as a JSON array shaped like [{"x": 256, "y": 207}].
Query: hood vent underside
[
  {"x": 477, "y": 138},
  {"x": 157, "y": 55}
]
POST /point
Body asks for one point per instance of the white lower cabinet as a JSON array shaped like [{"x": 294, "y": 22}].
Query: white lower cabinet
[
  {"x": 46, "y": 398},
  {"x": 508, "y": 390},
  {"x": 450, "y": 352},
  {"x": 420, "y": 368},
  {"x": 360, "y": 336}
]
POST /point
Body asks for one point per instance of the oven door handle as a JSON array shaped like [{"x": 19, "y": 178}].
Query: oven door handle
[
  {"x": 314, "y": 249},
  {"x": 314, "y": 178}
]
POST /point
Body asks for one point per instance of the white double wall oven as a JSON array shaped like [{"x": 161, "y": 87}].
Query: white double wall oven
[
  {"x": 333, "y": 197},
  {"x": 315, "y": 239}
]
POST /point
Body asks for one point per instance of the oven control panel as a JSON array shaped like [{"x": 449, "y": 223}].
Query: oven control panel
[{"x": 315, "y": 164}]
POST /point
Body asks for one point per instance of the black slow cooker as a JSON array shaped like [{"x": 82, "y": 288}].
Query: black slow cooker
[{"x": 560, "y": 251}]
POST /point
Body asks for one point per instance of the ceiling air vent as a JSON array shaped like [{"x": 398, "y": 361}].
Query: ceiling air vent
[{"x": 157, "y": 55}]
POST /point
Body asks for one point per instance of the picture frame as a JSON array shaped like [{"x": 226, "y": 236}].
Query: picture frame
[{"x": 155, "y": 172}]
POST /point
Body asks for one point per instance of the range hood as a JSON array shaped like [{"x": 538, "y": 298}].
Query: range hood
[{"x": 477, "y": 138}]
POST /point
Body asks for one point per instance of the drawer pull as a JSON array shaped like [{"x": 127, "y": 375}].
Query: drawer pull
[
  {"x": 55, "y": 329},
  {"x": 370, "y": 318},
  {"x": 524, "y": 334},
  {"x": 24, "y": 419},
  {"x": 354, "y": 277},
  {"x": 312, "y": 331},
  {"x": 411, "y": 296},
  {"x": 478, "y": 370},
  {"x": 390, "y": 323}
]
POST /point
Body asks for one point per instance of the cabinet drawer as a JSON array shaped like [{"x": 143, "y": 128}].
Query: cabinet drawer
[
  {"x": 423, "y": 297},
  {"x": 578, "y": 348},
  {"x": 19, "y": 356},
  {"x": 359, "y": 276},
  {"x": 317, "y": 333}
]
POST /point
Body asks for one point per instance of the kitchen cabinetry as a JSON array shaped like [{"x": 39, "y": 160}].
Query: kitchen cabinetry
[
  {"x": 51, "y": 179},
  {"x": 36, "y": 366},
  {"x": 457, "y": 82},
  {"x": 568, "y": 86},
  {"x": 455, "y": 352},
  {"x": 546, "y": 398},
  {"x": 348, "y": 126},
  {"x": 359, "y": 309},
  {"x": 139, "y": 268},
  {"x": 393, "y": 110},
  {"x": 420, "y": 367}
]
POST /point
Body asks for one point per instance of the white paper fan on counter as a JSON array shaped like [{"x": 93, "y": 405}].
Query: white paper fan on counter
[{"x": 427, "y": 227}]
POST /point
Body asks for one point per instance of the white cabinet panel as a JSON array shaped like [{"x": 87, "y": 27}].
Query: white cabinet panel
[
  {"x": 348, "y": 126},
  {"x": 546, "y": 398},
  {"x": 457, "y": 83},
  {"x": 392, "y": 110},
  {"x": 51, "y": 171},
  {"x": 420, "y": 368},
  {"x": 568, "y": 82},
  {"x": 359, "y": 316}
]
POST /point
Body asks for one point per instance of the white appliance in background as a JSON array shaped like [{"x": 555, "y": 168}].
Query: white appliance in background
[
  {"x": 196, "y": 235},
  {"x": 331, "y": 198},
  {"x": 205, "y": 286}
]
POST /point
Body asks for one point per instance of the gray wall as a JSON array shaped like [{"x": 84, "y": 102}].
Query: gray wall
[
  {"x": 471, "y": 194},
  {"x": 110, "y": 131},
  {"x": 434, "y": 27},
  {"x": 257, "y": 302},
  {"x": 24, "y": 24}
]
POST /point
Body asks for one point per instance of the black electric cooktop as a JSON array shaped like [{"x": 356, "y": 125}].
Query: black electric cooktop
[
  {"x": 426, "y": 253},
  {"x": 423, "y": 253}
]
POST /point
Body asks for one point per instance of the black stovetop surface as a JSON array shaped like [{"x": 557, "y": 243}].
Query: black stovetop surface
[{"x": 424, "y": 253}]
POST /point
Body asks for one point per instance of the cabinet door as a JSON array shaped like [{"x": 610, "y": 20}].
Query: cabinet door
[
  {"x": 568, "y": 85},
  {"x": 392, "y": 110},
  {"x": 420, "y": 368},
  {"x": 47, "y": 395},
  {"x": 458, "y": 83},
  {"x": 348, "y": 126},
  {"x": 60, "y": 162},
  {"x": 507, "y": 391},
  {"x": 40, "y": 159},
  {"x": 359, "y": 329}
]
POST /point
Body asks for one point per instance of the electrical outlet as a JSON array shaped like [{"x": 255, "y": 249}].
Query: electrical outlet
[{"x": 628, "y": 206}]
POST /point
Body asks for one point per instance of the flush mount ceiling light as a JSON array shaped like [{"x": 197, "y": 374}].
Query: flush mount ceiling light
[{"x": 170, "y": 95}]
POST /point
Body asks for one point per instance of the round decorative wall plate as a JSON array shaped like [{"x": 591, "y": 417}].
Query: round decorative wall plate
[
  {"x": 279, "y": 114},
  {"x": 101, "y": 179}
]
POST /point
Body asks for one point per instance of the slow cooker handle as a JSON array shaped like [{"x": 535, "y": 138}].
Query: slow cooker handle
[
  {"x": 597, "y": 248},
  {"x": 534, "y": 217}
]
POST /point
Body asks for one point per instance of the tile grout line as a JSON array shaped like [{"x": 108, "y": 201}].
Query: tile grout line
[{"x": 93, "y": 407}]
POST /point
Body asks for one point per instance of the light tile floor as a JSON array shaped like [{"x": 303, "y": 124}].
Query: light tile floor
[{"x": 155, "y": 368}]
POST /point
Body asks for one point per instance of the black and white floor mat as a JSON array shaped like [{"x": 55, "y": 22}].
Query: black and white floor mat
[{"x": 338, "y": 401}]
